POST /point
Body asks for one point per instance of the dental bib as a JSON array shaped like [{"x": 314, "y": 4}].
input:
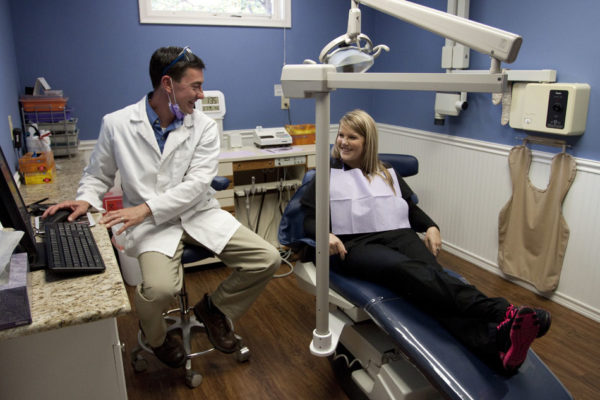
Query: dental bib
[{"x": 360, "y": 206}]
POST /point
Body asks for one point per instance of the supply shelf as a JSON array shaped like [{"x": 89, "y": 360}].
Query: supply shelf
[{"x": 52, "y": 114}]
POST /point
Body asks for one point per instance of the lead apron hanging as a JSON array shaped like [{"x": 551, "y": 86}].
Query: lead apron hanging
[{"x": 532, "y": 231}]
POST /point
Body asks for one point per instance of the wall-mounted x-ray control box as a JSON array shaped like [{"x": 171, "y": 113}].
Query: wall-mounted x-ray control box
[{"x": 557, "y": 108}]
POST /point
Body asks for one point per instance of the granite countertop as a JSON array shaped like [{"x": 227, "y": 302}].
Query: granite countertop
[{"x": 57, "y": 301}]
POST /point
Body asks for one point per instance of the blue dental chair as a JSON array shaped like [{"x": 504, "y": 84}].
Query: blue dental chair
[{"x": 402, "y": 352}]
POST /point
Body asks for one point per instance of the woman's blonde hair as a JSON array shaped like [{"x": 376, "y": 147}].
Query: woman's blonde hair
[{"x": 363, "y": 124}]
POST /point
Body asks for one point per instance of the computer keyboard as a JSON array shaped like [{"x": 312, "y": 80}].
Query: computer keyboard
[{"x": 70, "y": 247}]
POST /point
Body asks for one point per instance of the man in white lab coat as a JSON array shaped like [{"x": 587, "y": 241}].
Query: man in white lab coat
[{"x": 167, "y": 155}]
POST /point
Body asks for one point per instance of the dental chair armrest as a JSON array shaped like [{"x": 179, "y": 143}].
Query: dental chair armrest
[{"x": 220, "y": 183}]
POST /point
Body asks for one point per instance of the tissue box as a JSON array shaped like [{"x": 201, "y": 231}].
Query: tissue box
[{"x": 14, "y": 299}]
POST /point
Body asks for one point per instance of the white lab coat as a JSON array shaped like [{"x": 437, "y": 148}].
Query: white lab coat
[{"x": 174, "y": 184}]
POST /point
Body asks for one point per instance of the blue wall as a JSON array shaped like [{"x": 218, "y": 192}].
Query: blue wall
[
  {"x": 98, "y": 52},
  {"x": 9, "y": 83},
  {"x": 556, "y": 35}
]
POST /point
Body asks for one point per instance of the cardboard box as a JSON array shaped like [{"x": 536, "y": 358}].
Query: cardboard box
[
  {"x": 34, "y": 178},
  {"x": 42, "y": 163},
  {"x": 14, "y": 297}
]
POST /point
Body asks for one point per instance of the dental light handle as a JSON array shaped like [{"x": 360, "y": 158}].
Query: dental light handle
[
  {"x": 354, "y": 22},
  {"x": 377, "y": 50}
]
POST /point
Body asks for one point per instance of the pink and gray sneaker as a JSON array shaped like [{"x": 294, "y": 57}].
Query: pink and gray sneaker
[{"x": 516, "y": 333}]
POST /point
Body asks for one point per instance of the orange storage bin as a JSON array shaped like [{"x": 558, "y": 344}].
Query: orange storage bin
[
  {"x": 301, "y": 134},
  {"x": 43, "y": 103}
]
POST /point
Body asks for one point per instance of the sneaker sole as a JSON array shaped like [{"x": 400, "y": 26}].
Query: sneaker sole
[
  {"x": 524, "y": 330},
  {"x": 544, "y": 323}
]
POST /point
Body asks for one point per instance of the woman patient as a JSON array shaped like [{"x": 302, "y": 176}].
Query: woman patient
[{"x": 374, "y": 225}]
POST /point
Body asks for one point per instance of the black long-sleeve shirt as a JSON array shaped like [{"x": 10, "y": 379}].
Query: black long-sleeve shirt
[{"x": 418, "y": 219}]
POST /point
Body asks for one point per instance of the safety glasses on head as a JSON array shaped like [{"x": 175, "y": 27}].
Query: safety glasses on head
[{"x": 186, "y": 54}]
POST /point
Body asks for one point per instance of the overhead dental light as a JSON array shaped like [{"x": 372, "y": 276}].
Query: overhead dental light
[{"x": 353, "y": 51}]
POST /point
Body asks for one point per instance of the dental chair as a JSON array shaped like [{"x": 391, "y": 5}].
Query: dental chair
[
  {"x": 391, "y": 349},
  {"x": 183, "y": 318}
]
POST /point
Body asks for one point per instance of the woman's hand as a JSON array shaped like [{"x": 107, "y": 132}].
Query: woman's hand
[
  {"x": 433, "y": 240},
  {"x": 336, "y": 246}
]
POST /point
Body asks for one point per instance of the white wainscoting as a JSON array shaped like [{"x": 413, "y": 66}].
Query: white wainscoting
[{"x": 463, "y": 184}]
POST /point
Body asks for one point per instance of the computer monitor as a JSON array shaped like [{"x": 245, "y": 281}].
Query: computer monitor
[{"x": 13, "y": 211}]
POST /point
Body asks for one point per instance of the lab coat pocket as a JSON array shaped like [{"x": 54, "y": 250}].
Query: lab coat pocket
[{"x": 178, "y": 165}]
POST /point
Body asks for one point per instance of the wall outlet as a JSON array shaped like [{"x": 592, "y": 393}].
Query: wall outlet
[
  {"x": 278, "y": 92},
  {"x": 285, "y": 102}
]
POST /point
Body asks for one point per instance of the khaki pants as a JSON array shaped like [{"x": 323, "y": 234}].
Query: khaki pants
[{"x": 253, "y": 260}]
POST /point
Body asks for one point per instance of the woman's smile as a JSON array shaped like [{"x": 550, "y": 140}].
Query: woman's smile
[{"x": 350, "y": 145}]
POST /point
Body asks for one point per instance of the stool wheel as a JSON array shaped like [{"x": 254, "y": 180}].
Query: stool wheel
[
  {"x": 139, "y": 363},
  {"x": 192, "y": 378},
  {"x": 242, "y": 355}
]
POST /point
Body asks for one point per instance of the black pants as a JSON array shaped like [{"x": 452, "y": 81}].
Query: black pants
[{"x": 403, "y": 263}]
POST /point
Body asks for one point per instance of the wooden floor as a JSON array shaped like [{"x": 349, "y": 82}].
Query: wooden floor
[{"x": 278, "y": 330}]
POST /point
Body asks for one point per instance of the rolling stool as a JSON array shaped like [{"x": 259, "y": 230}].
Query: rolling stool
[{"x": 184, "y": 319}]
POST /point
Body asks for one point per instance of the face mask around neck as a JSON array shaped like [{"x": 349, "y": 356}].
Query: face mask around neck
[{"x": 174, "y": 107}]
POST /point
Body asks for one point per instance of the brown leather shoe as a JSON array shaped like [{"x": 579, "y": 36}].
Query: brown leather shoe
[
  {"x": 217, "y": 326},
  {"x": 171, "y": 352}
]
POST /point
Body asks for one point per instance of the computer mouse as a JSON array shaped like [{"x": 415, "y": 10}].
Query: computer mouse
[{"x": 59, "y": 216}]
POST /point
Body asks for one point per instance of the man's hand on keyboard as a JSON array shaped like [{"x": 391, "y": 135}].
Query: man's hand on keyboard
[
  {"x": 129, "y": 217},
  {"x": 77, "y": 207}
]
